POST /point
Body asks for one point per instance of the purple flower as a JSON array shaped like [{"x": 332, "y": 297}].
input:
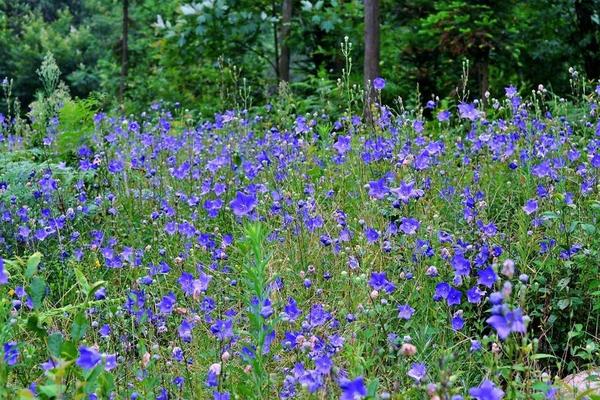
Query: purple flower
[
  {"x": 267, "y": 309},
  {"x": 221, "y": 396},
  {"x": 110, "y": 362},
  {"x": 11, "y": 353},
  {"x": 342, "y": 145},
  {"x": 418, "y": 126},
  {"x": 542, "y": 170},
  {"x": 222, "y": 329},
  {"x": 163, "y": 395},
  {"x": 88, "y": 357},
  {"x": 457, "y": 321},
  {"x": 417, "y": 371},
  {"x": 105, "y": 331},
  {"x": 468, "y": 111},
  {"x": 291, "y": 311},
  {"x": 405, "y": 311},
  {"x": 100, "y": 294},
  {"x": 185, "y": 330},
  {"x": 24, "y": 231},
  {"x": 504, "y": 324},
  {"x": 3, "y": 273},
  {"x": 409, "y": 226},
  {"x": 487, "y": 277},
  {"x": 595, "y": 161},
  {"x": 474, "y": 295},
  {"x": 475, "y": 346},
  {"x": 486, "y": 391},
  {"x": 317, "y": 316},
  {"x": 371, "y": 235},
  {"x": 454, "y": 297},
  {"x": 201, "y": 284},
  {"x": 461, "y": 265},
  {"x": 510, "y": 91},
  {"x": 379, "y": 281},
  {"x": 48, "y": 365},
  {"x": 378, "y": 189},
  {"x": 378, "y": 83},
  {"x": 353, "y": 390},
  {"x": 186, "y": 280},
  {"x": 530, "y": 206},
  {"x": 441, "y": 291},
  {"x": 167, "y": 303},
  {"x": 323, "y": 365},
  {"x": 443, "y": 116},
  {"x": 243, "y": 204},
  {"x": 407, "y": 191}
]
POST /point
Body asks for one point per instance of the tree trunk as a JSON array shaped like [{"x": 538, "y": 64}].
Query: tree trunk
[
  {"x": 124, "y": 51},
  {"x": 371, "y": 63},
  {"x": 284, "y": 33},
  {"x": 275, "y": 38},
  {"x": 587, "y": 37},
  {"x": 483, "y": 77}
]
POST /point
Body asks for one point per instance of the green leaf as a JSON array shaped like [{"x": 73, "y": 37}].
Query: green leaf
[
  {"x": 540, "y": 356},
  {"x": 107, "y": 383},
  {"x": 79, "y": 327},
  {"x": 590, "y": 229},
  {"x": 33, "y": 325},
  {"x": 68, "y": 350},
  {"x": 76, "y": 123},
  {"x": 92, "y": 378},
  {"x": 564, "y": 303},
  {"x": 572, "y": 226},
  {"x": 82, "y": 281},
  {"x": 25, "y": 394},
  {"x": 50, "y": 390},
  {"x": 372, "y": 387},
  {"x": 55, "y": 342},
  {"x": 32, "y": 264},
  {"x": 327, "y": 25},
  {"x": 38, "y": 291},
  {"x": 549, "y": 215}
]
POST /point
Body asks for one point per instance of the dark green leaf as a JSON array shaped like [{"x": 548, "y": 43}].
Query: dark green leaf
[
  {"x": 79, "y": 327},
  {"x": 32, "y": 264},
  {"x": 55, "y": 342},
  {"x": 38, "y": 291},
  {"x": 33, "y": 325}
]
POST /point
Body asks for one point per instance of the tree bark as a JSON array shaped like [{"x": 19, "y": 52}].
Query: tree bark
[
  {"x": 371, "y": 62},
  {"x": 588, "y": 40},
  {"x": 483, "y": 77},
  {"x": 275, "y": 38},
  {"x": 124, "y": 51},
  {"x": 284, "y": 33}
]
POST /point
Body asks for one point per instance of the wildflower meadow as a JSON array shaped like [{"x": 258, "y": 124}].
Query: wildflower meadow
[{"x": 345, "y": 246}]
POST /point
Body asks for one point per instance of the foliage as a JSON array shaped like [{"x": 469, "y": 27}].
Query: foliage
[
  {"x": 198, "y": 53},
  {"x": 76, "y": 123}
]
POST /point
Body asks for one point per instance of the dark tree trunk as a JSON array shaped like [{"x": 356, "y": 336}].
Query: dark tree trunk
[
  {"x": 482, "y": 68},
  {"x": 371, "y": 63},
  {"x": 275, "y": 38},
  {"x": 284, "y": 33},
  {"x": 588, "y": 40},
  {"x": 124, "y": 51}
]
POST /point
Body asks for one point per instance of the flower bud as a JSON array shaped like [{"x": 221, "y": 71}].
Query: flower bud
[
  {"x": 408, "y": 350},
  {"x": 225, "y": 356}
]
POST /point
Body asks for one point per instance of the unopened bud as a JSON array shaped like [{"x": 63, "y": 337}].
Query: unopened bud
[
  {"x": 408, "y": 349},
  {"x": 225, "y": 356}
]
